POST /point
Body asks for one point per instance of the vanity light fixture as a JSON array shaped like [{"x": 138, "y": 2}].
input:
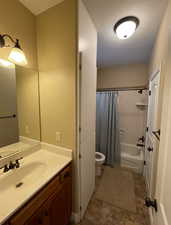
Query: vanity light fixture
[
  {"x": 126, "y": 27},
  {"x": 16, "y": 55},
  {"x": 5, "y": 63}
]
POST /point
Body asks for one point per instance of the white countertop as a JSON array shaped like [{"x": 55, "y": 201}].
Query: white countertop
[{"x": 35, "y": 171}]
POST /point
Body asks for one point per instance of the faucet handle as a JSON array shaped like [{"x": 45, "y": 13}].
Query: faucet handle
[
  {"x": 11, "y": 165},
  {"x": 6, "y": 169},
  {"x": 17, "y": 163}
]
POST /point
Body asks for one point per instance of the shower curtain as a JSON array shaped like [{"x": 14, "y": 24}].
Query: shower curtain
[{"x": 107, "y": 126}]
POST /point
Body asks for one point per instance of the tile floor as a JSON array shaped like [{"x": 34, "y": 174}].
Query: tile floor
[{"x": 103, "y": 213}]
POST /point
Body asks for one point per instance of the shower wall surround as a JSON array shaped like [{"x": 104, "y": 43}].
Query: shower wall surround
[{"x": 132, "y": 118}]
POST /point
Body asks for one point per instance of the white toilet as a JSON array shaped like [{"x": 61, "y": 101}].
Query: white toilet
[{"x": 100, "y": 159}]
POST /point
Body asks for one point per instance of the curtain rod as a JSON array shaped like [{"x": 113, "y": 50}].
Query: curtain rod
[{"x": 122, "y": 89}]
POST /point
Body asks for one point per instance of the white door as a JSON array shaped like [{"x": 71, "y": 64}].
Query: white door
[
  {"x": 87, "y": 120},
  {"x": 163, "y": 193},
  {"x": 152, "y": 141},
  {"x": 163, "y": 190}
]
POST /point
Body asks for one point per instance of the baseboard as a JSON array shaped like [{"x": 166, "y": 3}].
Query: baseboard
[{"x": 75, "y": 218}]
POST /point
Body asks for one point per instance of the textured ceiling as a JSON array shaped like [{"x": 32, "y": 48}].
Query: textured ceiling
[
  {"x": 137, "y": 49},
  {"x": 39, "y": 6}
]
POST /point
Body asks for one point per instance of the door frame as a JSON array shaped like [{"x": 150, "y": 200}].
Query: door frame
[
  {"x": 79, "y": 127},
  {"x": 76, "y": 212},
  {"x": 160, "y": 215}
]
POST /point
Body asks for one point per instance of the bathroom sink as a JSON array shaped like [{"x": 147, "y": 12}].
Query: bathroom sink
[
  {"x": 36, "y": 170},
  {"x": 26, "y": 175}
]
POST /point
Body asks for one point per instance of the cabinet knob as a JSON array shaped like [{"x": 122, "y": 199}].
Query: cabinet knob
[
  {"x": 64, "y": 176},
  {"x": 67, "y": 174}
]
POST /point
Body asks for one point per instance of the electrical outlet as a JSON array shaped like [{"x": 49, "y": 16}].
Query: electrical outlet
[{"x": 58, "y": 137}]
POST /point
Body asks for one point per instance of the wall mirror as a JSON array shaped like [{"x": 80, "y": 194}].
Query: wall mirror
[{"x": 19, "y": 108}]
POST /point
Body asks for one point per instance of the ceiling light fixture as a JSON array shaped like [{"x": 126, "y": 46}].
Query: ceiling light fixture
[
  {"x": 126, "y": 27},
  {"x": 16, "y": 55}
]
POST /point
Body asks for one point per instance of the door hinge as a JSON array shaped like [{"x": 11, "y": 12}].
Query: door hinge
[
  {"x": 151, "y": 203},
  {"x": 80, "y": 208},
  {"x": 149, "y": 93},
  {"x": 79, "y": 129},
  {"x": 150, "y": 149},
  {"x": 80, "y": 156},
  {"x": 80, "y": 67},
  {"x": 147, "y": 129},
  {"x": 145, "y": 163}
]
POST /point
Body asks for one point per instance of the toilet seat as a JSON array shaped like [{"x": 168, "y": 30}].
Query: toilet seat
[
  {"x": 99, "y": 161},
  {"x": 99, "y": 157}
]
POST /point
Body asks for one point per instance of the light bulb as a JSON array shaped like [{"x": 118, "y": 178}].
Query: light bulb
[
  {"x": 17, "y": 56},
  {"x": 126, "y": 29}
]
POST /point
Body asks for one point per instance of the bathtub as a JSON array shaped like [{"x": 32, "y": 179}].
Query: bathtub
[{"x": 132, "y": 157}]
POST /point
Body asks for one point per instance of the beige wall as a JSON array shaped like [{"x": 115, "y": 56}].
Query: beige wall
[
  {"x": 132, "y": 75},
  {"x": 160, "y": 49},
  {"x": 56, "y": 39},
  {"x": 20, "y": 23},
  {"x": 164, "y": 153},
  {"x": 161, "y": 60},
  {"x": 160, "y": 55}
]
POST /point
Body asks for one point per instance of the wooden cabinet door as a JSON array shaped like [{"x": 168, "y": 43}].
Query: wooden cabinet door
[
  {"x": 52, "y": 206},
  {"x": 57, "y": 209},
  {"x": 39, "y": 218},
  {"x": 68, "y": 193},
  {"x": 60, "y": 205},
  {"x": 66, "y": 180}
]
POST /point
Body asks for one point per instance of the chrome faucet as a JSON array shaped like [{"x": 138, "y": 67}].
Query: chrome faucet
[
  {"x": 11, "y": 166},
  {"x": 6, "y": 169}
]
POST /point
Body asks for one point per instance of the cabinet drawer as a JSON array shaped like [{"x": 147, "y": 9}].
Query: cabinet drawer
[{"x": 54, "y": 186}]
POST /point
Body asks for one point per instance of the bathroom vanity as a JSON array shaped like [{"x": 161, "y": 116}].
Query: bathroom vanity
[
  {"x": 52, "y": 205},
  {"x": 39, "y": 192}
]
